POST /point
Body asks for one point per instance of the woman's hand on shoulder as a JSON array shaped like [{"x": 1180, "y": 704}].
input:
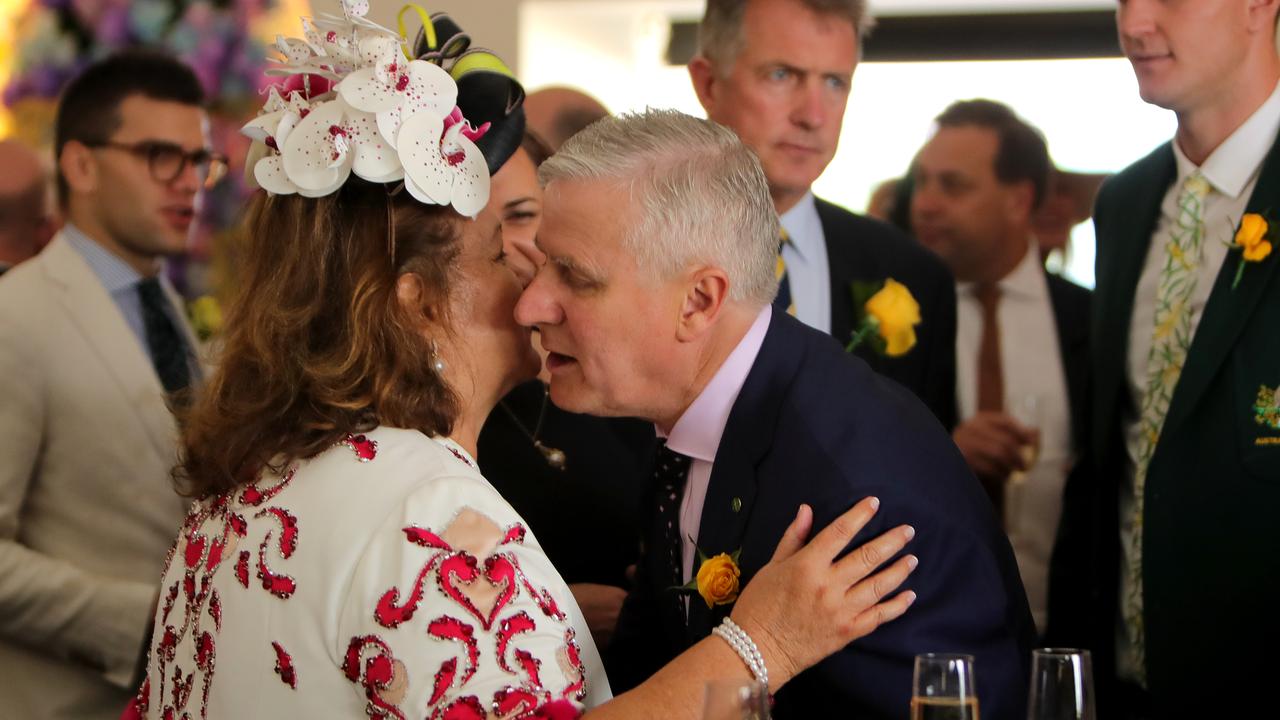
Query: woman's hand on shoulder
[{"x": 805, "y": 605}]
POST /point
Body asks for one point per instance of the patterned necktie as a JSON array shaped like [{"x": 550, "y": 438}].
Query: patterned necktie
[
  {"x": 168, "y": 351},
  {"x": 783, "y": 302},
  {"x": 1170, "y": 340},
  {"x": 991, "y": 377},
  {"x": 670, "y": 473}
]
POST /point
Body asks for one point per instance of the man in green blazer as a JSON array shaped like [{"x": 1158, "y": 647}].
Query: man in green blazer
[{"x": 1168, "y": 563}]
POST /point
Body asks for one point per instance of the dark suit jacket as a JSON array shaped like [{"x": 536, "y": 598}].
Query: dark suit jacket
[
  {"x": 860, "y": 249},
  {"x": 814, "y": 425},
  {"x": 600, "y": 487},
  {"x": 1211, "y": 568},
  {"x": 1071, "y": 305}
]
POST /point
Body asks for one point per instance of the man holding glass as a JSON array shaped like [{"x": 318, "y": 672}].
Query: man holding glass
[
  {"x": 1169, "y": 570},
  {"x": 93, "y": 343},
  {"x": 1022, "y": 340}
]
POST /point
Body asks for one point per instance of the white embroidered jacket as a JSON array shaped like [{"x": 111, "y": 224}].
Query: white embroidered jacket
[{"x": 384, "y": 577}]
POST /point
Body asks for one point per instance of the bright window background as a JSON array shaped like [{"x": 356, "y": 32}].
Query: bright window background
[{"x": 1089, "y": 110}]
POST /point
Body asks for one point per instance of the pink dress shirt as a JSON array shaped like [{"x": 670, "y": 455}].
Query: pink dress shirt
[{"x": 697, "y": 433}]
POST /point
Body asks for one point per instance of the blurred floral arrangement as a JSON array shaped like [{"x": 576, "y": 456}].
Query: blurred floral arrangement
[{"x": 222, "y": 41}]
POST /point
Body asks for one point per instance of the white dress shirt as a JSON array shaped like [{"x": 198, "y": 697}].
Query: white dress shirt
[
  {"x": 808, "y": 271},
  {"x": 1035, "y": 395},
  {"x": 1232, "y": 172}
]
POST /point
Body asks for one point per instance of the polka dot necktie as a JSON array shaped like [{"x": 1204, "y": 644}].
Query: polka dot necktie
[{"x": 670, "y": 473}]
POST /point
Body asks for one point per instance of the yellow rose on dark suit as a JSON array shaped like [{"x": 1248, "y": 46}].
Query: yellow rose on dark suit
[
  {"x": 897, "y": 313},
  {"x": 718, "y": 580},
  {"x": 1252, "y": 237}
]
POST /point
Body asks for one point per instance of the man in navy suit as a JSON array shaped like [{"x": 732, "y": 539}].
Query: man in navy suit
[
  {"x": 656, "y": 301},
  {"x": 777, "y": 73}
]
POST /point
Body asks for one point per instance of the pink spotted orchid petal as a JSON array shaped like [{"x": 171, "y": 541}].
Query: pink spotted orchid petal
[
  {"x": 424, "y": 166},
  {"x": 263, "y": 126},
  {"x": 270, "y": 176},
  {"x": 375, "y": 159},
  {"x": 379, "y": 50},
  {"x": 355, "y": 8},
  {"x": 363, "y": 90},
  {"x": 471, "y": 178},
  {"x": 309, "y": 152},
  {"x": 295, "y": 51},
  {"x": 430, "y": 89}
]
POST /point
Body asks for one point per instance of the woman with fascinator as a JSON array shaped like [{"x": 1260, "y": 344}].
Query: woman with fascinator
[{"x": 345, "y": 557}]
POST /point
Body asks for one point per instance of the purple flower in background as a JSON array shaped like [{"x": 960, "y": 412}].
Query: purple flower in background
[
  {"x": 113, "y": 27},
  {"x": 46, "y": 82}
]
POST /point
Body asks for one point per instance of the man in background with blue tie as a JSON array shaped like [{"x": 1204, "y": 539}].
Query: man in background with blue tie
[
  {"x": 1167, "y": 562},
  {"x": 93, "y": 344},
  {"x": 778, "y": 73}
]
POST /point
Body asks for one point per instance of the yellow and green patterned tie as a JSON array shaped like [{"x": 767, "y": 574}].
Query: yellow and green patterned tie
[
  {"x": 783, "y": 301},
  {"x": 1170, "y": 340}
]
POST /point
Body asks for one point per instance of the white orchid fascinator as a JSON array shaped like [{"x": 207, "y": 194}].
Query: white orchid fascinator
[{"x": 433, "y": 114}]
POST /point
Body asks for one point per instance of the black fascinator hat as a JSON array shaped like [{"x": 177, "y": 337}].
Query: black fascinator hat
[{"x": 488, "y": 91}]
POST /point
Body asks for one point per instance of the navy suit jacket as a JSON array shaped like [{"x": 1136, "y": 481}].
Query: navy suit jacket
[{"x": 815, "y": 425}]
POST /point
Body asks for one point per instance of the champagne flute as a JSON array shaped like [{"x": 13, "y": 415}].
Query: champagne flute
[
  {"x": 733, "y": 700},
  {"x": 1026, "y": 410},
  {"x": 943, "y": 688},
  {"x": 1061, "y": 685}
]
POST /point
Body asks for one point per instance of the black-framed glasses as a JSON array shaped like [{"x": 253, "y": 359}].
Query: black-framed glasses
[{"x": 167, "y": 161}]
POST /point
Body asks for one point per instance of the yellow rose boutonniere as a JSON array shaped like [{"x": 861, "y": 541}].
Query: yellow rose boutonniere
[
  {"x": 206, "y": 316},
  {"x": 1252, "y": 238},
  {"x": 889, "y": 317},
  {"x": 716, "y": 580}
]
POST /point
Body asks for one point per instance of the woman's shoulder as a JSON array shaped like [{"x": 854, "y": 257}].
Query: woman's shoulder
[{"x": 388, "y": 463}]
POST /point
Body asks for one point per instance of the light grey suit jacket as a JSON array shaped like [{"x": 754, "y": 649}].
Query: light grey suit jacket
[{"x": 87, "y": 509}]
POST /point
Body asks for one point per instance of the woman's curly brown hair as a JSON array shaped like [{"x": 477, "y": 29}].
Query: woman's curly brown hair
[{"x": 316, "y": 343}]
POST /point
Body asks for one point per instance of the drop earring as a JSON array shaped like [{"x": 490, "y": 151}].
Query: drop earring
[{"x": 437, "y": 364}]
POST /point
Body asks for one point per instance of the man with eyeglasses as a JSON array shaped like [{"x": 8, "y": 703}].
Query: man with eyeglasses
[{"x": 94, "y": 349}]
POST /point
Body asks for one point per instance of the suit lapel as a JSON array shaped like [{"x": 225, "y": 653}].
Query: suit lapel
[
  {"x": 93, "y": 312},
  {"x": 1130, "y": 221},
  {"x": 1073, "y": 343},
  {"x": 1228, "y": 310},
  {"x": 748, "y": 437},
  {"x": 842, "y": 261}
]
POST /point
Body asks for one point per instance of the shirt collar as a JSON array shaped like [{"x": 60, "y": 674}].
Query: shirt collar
[
  {"x": 1235, "y": 162},
  {"x": 1022, "y": 281},
  {"x": 804, "y": 226},
  {"x": 698, "y": 431},
  {"x": 114, "y": 273}
]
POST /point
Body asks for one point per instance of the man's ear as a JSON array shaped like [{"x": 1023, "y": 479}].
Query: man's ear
[
  {"x": 703, "y": 75},
  {"x": 78, "y": 167},
  {"x": 1263, "y": 15},
  {"x": 706, "y": 293}
]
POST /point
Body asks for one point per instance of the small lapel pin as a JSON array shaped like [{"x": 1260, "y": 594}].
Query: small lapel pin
[{"x": 736, "y": 504}]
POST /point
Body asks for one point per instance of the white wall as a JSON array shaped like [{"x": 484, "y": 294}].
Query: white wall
[{"x": 492, "y": 24}]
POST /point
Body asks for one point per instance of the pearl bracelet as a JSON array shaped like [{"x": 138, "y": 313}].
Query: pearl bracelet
[{"x": 745, "y": 647}]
